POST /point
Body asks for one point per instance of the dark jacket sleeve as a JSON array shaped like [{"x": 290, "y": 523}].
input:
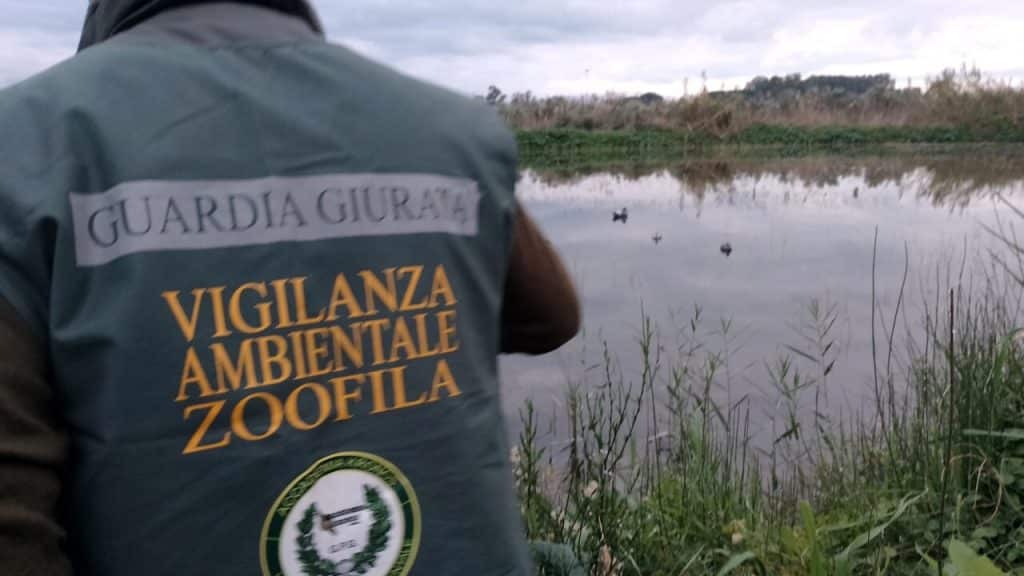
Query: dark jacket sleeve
[
  {"x": 32, "y": 455},
  {"x": 541, "y": 311}
]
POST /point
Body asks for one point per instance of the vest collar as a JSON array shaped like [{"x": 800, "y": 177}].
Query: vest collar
[{"x": 107, "y": 18}]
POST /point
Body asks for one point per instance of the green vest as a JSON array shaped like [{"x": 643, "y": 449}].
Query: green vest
[{"x": 269, "y": 275}]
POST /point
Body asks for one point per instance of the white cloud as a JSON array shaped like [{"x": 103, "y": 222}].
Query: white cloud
[
  {"x": 597, "y": 46},
  {"x": 23, "y": 53},
  {"x": 655, "y": 45}
]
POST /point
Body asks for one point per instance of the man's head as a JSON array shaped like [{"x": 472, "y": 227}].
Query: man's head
[{"x": 106, "y": 18}]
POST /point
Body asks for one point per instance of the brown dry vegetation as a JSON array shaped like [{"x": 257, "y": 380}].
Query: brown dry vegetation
[{"x": 955, "y": 98}]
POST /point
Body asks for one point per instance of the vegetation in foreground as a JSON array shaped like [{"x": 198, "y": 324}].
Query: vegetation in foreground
[
  {"x": 661, "y": 474},
  {"x": 819, "y": 113}
]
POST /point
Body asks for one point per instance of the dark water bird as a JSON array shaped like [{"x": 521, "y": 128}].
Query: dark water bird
[
  {"x": 856, "y": 192},
  {"x": 657, "y": 238},
  {"x": 620, "y": 216},
  {"x": 726, "y": 249}
]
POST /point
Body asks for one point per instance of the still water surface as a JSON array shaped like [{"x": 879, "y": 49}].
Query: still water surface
[{"x": 801, "y": 231}]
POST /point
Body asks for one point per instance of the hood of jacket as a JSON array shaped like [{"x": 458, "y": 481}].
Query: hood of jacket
[{"x": 107, "y": 18}]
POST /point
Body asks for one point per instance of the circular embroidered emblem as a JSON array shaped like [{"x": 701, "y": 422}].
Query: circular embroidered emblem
[{"x": 350, "y": 514}]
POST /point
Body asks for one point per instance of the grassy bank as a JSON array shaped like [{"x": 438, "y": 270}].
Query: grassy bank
[
  {"x": 791, "y": 113},
  {"x": 658, "y": 473},
  {"x": 567, "y": 145}
]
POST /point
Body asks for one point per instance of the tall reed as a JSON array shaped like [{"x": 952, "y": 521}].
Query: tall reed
[{"x": 658, "y": 472}]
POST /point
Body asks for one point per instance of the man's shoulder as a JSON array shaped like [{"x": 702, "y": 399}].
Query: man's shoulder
[
  {"x": 34, "y": 90},
  {"x": 27, "y": 112},
  {"x": 58, "y": 86}
]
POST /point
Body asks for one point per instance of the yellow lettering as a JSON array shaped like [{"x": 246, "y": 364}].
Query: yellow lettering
[
  {"x": 234, "y": 374},
  {"x": 398, "y": 388},
  {"x": 195, "y": 444},
  {"x": 241, "y": 428},
  {"x": 300, "y": 358},
  {"x": 342, "y": 396},
  {"x": 317, "y": 351},
  {"x": 377, "y": 339},
  {"x": 376, "y": 290},
  {"x": 278, "y": 359},
  {"x": 193, "y": 375},
  {"x": 342, "y": 296},
  {"x": 441, "y": 288},
  {"x": 414, "y": 273},
  {"x": 380, "y": 404},
  {"x": 401, "y": 340},
  {"x": 263, "y": 309},
  {"x": 219, "y": 318},
  {"x": 187, "y": 324},
  {"x": 346, "y": 347},
  {"x": 284, "y": 317},
  {"x": 443, "y": 380},
  {"x": 446, "y": 327},
  {"x": 302, "y": 317},
  {"x": 423, "y": 338},
  {"x": 291, "y": 406}
]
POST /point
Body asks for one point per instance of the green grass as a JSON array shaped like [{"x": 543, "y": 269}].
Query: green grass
[
  {"x": 957, "y": 106},
  {"x": 658, "y": 473},
  {"x": 560, "y": 146}
]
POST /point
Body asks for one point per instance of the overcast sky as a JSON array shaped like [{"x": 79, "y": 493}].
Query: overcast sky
[{"x": 597, "y": 46}]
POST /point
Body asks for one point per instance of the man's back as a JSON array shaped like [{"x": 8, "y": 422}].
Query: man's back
[{"x": 269, "y": 276}]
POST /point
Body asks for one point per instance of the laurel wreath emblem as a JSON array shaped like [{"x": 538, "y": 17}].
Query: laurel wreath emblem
[{"x": 315, "y": 565}]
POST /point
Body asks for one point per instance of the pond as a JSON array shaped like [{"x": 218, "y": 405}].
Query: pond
[{"x": 759, "y": 247}]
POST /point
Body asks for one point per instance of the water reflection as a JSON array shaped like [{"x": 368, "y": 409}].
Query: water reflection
[
  {"x": 754, "y": 244},
  {"x": 952, "y": 178}
]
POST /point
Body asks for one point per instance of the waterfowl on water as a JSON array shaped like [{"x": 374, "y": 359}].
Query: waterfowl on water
[
  {"x": 726, "y": 249},
  {"x": 620, "y": 216}
]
